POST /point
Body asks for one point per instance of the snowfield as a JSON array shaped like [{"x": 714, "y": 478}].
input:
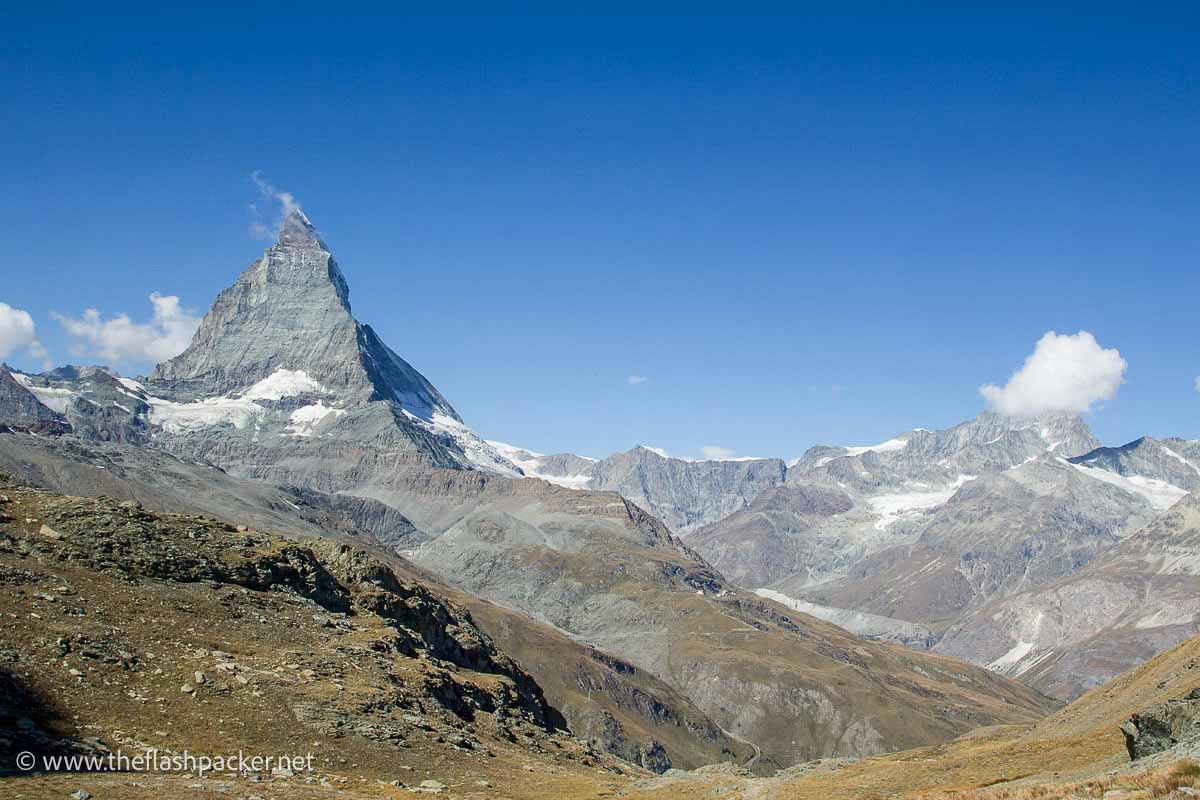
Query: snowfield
[
  {"x": 1162, "y": 495},
  {"x": 238, "y": 411}
]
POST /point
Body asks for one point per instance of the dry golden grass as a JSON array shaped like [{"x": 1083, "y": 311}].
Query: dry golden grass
[{"x": 1149, "y": 784}]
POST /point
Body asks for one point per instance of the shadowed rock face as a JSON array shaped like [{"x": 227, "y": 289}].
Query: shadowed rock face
[
  {"x": 20, "y": 410},
  {"x": 1172, "y": 461},
  {"x": 1164, "y": 726},
  {"x": 92, "y": 402}
]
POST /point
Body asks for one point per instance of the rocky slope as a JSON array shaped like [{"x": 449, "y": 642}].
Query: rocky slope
[
  {"x": 132, "y": 630},
  {"x": 624, "y": 710},
  {"x": 997, "y": 535},
  {"x": 1080, "y": 751},
  {"x": 1131, "y": 602},
  {"x": 599, "y": 568},
  {"x": 1172, "y": 725},
  {"x": 602, "y": 570},
  {"x": 842, "y": 505},
  {"x": 927, "y": 528}
]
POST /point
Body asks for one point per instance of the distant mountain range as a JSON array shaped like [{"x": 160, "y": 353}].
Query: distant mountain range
[{"x": 922, "y": 539}]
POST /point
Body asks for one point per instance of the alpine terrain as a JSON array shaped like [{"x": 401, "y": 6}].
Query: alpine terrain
[{"x": 287, "y": 415}]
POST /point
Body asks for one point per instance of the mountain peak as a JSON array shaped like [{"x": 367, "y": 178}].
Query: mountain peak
[
  {"x": 291, "y": 310},
  {"x": 296, "y": 228}
]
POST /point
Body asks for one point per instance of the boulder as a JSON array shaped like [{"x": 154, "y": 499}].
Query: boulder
[{"x": 1163, "y": 726}]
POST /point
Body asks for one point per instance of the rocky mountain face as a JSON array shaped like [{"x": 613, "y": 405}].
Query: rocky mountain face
[
  {"x": 795, "y": 530},
  {"x": 1163, "y": 469},
  {"x": 290, "y": 310},
  {"x": 997, "y": 535},
  {"x": 1033, "y": 569},
  {"x": 90, "y": 401},
  {"x": 841, "y": 506},
  {"x": 280, "y": 370},
  {"x": 685, "y": 494},
  {"x": 20, "y": 409},
  {"x": 1006, "y": 542},
  {"x": 1134, "y": 600},
  {"x": 989, "y": 443}
]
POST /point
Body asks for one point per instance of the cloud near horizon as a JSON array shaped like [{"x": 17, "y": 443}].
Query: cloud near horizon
[
  {"x": 636, "y": 379},
  {"x": 712, "y": 452},
  {"x": 18, "y": 333},
  {"x": 120, "y": 340},
  {"x": 1065, "y": 372}
]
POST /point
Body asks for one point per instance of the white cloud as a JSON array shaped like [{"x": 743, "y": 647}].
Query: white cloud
[
  {"x": 657, "y": 451},
  {"x": 1064, "y": 373},
  {"x": 18, "y": 333},
  {"x": 1198, "y": 384},
  {"x": 635, "y": 379},
  {"x": 712, "y": 452},
  {"x": 121, "y": 340},
  {"x": 286, "y": 200}
]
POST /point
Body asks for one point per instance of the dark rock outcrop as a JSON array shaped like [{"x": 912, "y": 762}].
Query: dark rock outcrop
[{"x": 1161, "y": 727}]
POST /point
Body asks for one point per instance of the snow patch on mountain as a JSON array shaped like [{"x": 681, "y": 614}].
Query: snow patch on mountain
[
  {"x": 1162, "y": 495},
  {"x": 898, "y": 443},
  {"x": 52, "y": 398},
  {"x": 304, "y": 421},
  {"x": 284, "y": 383},
  {"x": 212, "y": 411},
  {"x": 1007, "y": 664},
  {"x": 891, "y": 507},
  {"x": 238, "y": 411},
  {"x": 477, "y": 451},
  {"x": 860, "y": 623},
  {"x": 1180, "y": 458},
  {"x": 530, "y": 463}
]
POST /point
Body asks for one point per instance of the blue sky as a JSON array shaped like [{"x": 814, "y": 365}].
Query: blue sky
[{"x": 821, "y": 228}]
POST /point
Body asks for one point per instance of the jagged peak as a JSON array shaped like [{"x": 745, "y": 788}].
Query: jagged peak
[{"x": 296, "y": 228}]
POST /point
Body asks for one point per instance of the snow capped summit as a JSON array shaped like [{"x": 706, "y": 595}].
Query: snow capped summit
[{"x": 280, "y": 354}]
